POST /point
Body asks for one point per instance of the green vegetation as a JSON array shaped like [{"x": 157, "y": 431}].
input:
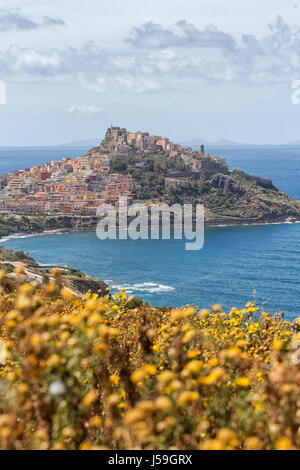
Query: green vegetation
[
  {"x": 96, "y": 373},
  {"x": 231, "y": 198},
  {"x": 16, "y": 256},
  {"x": 71, "y": 278},
  {"x": 235, "y": 198},
  {"x": 10, "y": 224},
  {"x": 150, "y": 177}
]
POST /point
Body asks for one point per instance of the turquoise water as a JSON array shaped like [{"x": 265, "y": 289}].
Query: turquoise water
[{"x": 234, "y": 261}]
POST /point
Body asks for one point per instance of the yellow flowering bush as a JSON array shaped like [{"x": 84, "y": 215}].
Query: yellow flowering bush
[{"x": 99, "y": 373}]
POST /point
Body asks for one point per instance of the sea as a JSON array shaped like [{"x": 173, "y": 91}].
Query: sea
[{"x": 237, "y": 263}]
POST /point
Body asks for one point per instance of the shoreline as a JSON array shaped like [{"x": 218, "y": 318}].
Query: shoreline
[
  {"x": 146, "y": 290},
  {"x": 210, "y": 224}
]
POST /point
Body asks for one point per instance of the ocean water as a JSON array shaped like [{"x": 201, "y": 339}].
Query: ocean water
[
  {"x": 233, "y": 262},
  {"x": 278, "y": 162},
  {"x": 18, "y": 158}
]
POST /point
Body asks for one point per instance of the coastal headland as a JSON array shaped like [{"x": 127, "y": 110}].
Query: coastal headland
[
  {"x": 65, "y": 194},
  {"x": 18, "y": 265}
]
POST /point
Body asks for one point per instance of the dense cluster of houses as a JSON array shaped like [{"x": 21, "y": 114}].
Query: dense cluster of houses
[{"x": 76, "y": 186}]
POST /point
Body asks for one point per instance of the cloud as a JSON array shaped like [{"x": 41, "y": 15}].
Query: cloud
[
  {"x": 15, "y": 21},
  {"x": 214, "y": 55},
  {"x": 153, "y": 35},
  {"x": 47, "y": 21},
  {"x": 84, "y": 108},
  {"x": 158, "y": 59}
]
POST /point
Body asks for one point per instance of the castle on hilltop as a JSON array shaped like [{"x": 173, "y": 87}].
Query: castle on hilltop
[
  {"x": 79, "y": 185},
  {"x": 118, "y": 139}
]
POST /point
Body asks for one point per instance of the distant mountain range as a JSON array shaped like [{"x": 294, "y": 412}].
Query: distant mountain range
[
  {"x": 222, "y": 142},
  {"x": 295, "y": 142},
  {"x": 228, "y": 143},
  {"x": 95, "y": 142}
]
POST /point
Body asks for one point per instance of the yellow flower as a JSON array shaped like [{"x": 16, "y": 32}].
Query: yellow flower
[
  {"x": 253, "y": 443},
  {"x": 23, "y": 387},
  {"x": 204, "y": 313},
  {"x": 85, "y": 445},
  {"x": 137, "y": 375},
  {"x": 64, "y": 335},
  {"x": 213, "y": 362},
  {"x": 217, "y": 308},
  {"x": 100, "y": 348},
  {"x": 166, "y": 376},
  {"x": 192, "y": 353},
  {"x": 193, "y": 366},
  {"x": 212, "y": 444},
  {"x": 146, "y": 405},
  {"x": 163, "y": 403},
  {"x": 113, "y": 399},
  {"x": 66, "y": 294},
  {"x": 277, "y": 344},
  {"x": 89, "y": 398},
  {"x": 114, "y": 379},
  {"x": 35, "y": 340},
  {"x": 150, "y": 369},
  {"x": 228, "y": 437},
  {"x": 187, "y": 398},
  {"x": 133, "y": 416},
  {"x": 189, "y": 335},
  {"x": 53, "y": 360},
  {"x": 212, "y": 378},
  {"x": 232, "y": 352},
  {"x": 242, "y": 381},
  {"x": 283, "y": 443},
  {"x": 25, "y": 289}
]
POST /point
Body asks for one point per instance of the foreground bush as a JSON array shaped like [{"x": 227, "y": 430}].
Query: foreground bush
[{"x": 94, "y": 374}]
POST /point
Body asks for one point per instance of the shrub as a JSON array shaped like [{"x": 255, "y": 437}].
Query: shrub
[{"x": 100, "y": 373}]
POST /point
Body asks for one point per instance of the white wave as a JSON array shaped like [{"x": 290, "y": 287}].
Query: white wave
[
  {"x": 53, "y": 265},
  {"x": 16, "y": 235},
  {"x": 255, "y": 223},
  {"x": 35, "y": 234},
  {"x": 150, "y": 287}
]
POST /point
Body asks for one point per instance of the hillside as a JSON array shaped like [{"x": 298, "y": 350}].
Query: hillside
[
  {"x": 181, "y": 175},
  {"x": 234, "y": 198},
  {"x": 65, "y": 194},
  {"x": 27, "y": 269}
]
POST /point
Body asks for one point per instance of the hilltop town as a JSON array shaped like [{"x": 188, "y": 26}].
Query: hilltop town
[
  {"x": 80, "y": 185},
  {"x": 141, "y": 167}
]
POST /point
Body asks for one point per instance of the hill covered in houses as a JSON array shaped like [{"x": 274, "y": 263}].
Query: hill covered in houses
[{"x": 66, "y": 193}]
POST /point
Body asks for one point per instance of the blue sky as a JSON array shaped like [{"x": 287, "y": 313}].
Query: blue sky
[{"x": 183, "y": 69}]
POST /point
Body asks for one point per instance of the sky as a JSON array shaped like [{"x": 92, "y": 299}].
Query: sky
[{"x": 183, "y": 69}]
